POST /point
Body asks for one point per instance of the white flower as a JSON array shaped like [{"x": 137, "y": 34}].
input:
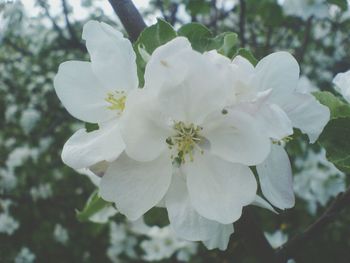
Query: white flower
[
  {"x": 28, "y": 119},
  {"x": 342, "y": 84},
  {"x": 42, "y": 191},
  {"x": 318, "y": 180},
  {"x": 269, "y": 92},
  {"x": 8, "y": 224},
  {"x": 25, "y": 256},
  {"x": 277, "y": 238},
  {"x": 180, "y": 146},
  {"x": 97, "y": 92},
  {"x": 60, "y": 234}
]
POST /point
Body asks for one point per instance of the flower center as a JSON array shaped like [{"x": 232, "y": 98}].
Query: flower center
[
  {"x": 116, "y": 100},
  {"x": 185, "y": 140}
]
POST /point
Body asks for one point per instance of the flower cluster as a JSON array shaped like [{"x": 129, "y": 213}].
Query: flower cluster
[{"x": 187, "y": 139}]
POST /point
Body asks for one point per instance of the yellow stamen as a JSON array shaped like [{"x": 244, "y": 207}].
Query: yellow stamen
[
  {"x": 117, "y": 100},
  {"x": 185, "y": 141}
]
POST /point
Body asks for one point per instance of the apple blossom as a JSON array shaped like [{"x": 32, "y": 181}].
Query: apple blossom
[
  {"x": 269, "y": 93},
  {"x": 183, "y": 149},
  {"x": 97, "y": 92}
]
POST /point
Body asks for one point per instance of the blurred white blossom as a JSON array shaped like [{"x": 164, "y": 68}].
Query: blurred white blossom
[
  {"x": 25, "y": 256},
  {"x": 60, "y": 234}
]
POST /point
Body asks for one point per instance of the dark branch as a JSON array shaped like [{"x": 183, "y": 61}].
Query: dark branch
[
  {"x": 242, "y": 22},
  {"x": 129, "y": 16},
  {"x": 294, "y": 245},
  {"x": 54, "y": 24},
  {"x": 300, "y": 53},
  {"x": 68, "y": 24},
  {"x": 253, "y": 237}
]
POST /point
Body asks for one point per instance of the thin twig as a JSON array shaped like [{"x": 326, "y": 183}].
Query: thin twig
[
  {"x": 294, "y": 245},
  {"x": 129, "y": 16},
  {"x": 68, "y": 24}
]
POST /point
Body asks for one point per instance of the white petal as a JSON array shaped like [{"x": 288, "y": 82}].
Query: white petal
[
  {"x": 260, "y": 202},
  {"x": 306, "y": 114},
  {"x": 191, "y": 90},
  {"x": 184, "y": 220},
  {"x": 236, "y": 137},
  {"x": 342, "y": 84},
  {"x": 276, "y": 180},
  {"x": 270, "y": 117},
  {"x": 219, "y": 189},
  {"x": 81, "y": 93},
  {"x": 112, "y": 56},
  {"x": 135, "y": 187},
  {"x": 166, "y": 66},
  {"x": 221, "y": 237},
  {"x": 85, "y": 149},
  {"x": 278, "y": 71},
  {"x": 145, "y": 130}
]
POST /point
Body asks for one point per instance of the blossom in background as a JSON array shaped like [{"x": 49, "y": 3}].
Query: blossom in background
[
  {"x": 8, "y": 225},
  {"x": 25, "y": 256},
  {"x": 121, "y": 242},
  {"x": 306, "y": 8},
  {"x": 101, "y": 88},
  {"x": 42, "y": 191},
  {"x": 276, "y": 239},
  {"x": 318, "y": 180},
  {"x": 342, "y": 84},
  {"x": 60, "y": 234},
  {"x": 29, "y": 118}
]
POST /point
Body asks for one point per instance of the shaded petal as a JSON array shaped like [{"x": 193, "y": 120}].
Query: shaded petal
[
  {"x": 166, "y": 66},
  {"x": 135, "y": 187},
  {"x": 184, "y": 220},
  {"x": 145, "y": 129},
  {"x": 278, "y": 71},
  {"x": 85, "y": 149},
  {"x": 306, "y": 114},
  {"x": 219, "y": 189},
  {"x": 342, "y": 84},
  {"x": 112, "y": 56},
  {"x": 220, "y": 238},
  {"x": 270, "y": 117},
  {"x": 276, "y": 180},
  {"x": 188, "y": 90},
  {"x": 236, "y": 137},
  {"x": 260, "y": 202},
  {"x": 81, "y": 93}
]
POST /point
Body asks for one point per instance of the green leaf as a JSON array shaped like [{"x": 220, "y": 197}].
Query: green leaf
[
  {"x": 151, "y": 38},
  {"x": 247, "y": 54},
  {"x": 338, "y": 108},
  {"x": 343, "y": 4},
  {"x": 196, "y": 7},
  {"x": 202, "y": 39},
  {"x": 335, "y": 139},
  {"x": 199, "y": 35},
  {"x": 156, "y": 216},
  {"x": 89, "y": 127},
  {"x": 94, "y": 205}
]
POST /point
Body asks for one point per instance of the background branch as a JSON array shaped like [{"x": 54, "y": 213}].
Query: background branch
[
  {"x": 129, "y": 16},
  {"x": 295, "y": 245},
  {"x": 242, "y": 22}
]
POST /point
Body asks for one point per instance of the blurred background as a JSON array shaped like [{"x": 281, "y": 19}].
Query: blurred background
[{"x": 39, "y": 195}]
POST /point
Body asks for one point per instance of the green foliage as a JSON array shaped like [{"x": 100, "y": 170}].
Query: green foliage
[
  {"x": 337, "y": 107},
  {"x": 91, "y": 127},
  {"x": 203, "y": 40},
  {"x": 94, "y": 205},
  {"x": 197, "y": 7},
  {"x": 247, "y": 54},
  {"x": 335, "y": 137},
  {"x": 151, "y": 38}
]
